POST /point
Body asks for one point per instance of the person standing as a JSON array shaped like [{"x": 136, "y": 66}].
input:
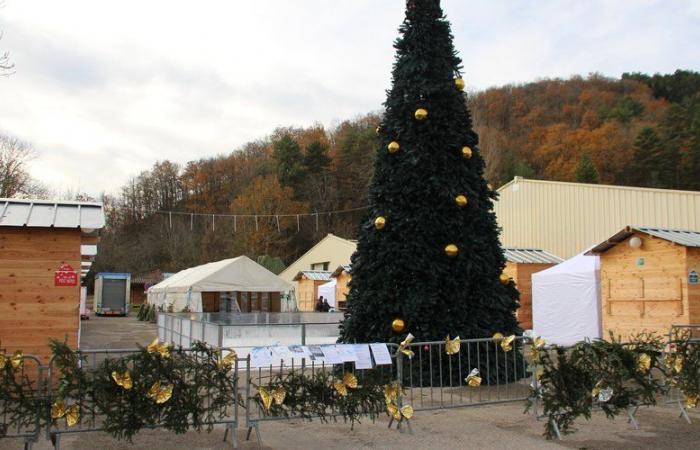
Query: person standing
[{"x": 319, "y": 304}]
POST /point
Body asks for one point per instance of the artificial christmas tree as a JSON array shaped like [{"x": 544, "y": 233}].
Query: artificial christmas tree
[{"x": 428, "y": 251}]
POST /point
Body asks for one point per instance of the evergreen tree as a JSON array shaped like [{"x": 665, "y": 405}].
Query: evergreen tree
[
  {"x": 586, "y": 171},
  {"x": 289, "y": 162},
  {"x": 316, "y": 158},
  {"x": 437, "y": 262},
  {"x": 644, "y": 167}
]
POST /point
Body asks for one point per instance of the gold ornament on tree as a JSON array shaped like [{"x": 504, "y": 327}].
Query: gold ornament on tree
[
  {"x": 459, "y": 83},
  {"x": 461, "y": 200},
  {"x": 378, "y": 129},
  {"x": 393, "y": 147},
  {"x": 162, "y": 349},
  {"x": 17, "y": 359},
  {"x": 398, "y": 325},
  {"x": 466, "y": 152},
  {"x": 3, "y": 361},
  {"x": 349, "y": 381},
  {"x": 227, "y": 361},
  {"x": 504, "y": 278},
  {"x": 644, "y": 363},
  {"x": 421, "y": 114},
  {"x": 379, "y": 223},
  {"x": 473, "y": 379},
  {"x": 452, "y": 345},
  {"x": 451, "y": 250}
]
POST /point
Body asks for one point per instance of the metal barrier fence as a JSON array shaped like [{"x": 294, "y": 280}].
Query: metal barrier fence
[
  {"x": 674, "y": 396},
  {"x": 33, "y": 373},
  {"x": 91, "y": 421}
]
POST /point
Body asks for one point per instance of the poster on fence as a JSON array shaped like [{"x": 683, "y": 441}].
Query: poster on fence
[
  {"x": 364, "y": 358},
  {"x": 382, "y": 357},
  {"x": 260, "y": 357}
]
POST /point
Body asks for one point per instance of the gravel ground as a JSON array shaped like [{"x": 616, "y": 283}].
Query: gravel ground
[{"x": 502, "y": 426}]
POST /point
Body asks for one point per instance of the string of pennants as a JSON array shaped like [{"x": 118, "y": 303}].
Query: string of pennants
[{"x": 239, "y": 219}]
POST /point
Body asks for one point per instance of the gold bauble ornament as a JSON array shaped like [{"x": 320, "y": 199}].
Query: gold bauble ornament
[
  {"x": 466, "y": 152},
  {"x": 398, "y": 325},
  {"x": 461, "y": 200},
  {"x": 393, "y": 147},
  {"x": 421, "y": 114},
  {"x": 379, "y": 223},
  {"x": 504, "y": 278},
  {"x": 459, "y": 83},
  {"x": 451, "y": 250}
]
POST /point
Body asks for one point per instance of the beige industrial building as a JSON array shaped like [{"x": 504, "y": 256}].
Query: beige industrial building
[{"x": 568, "y": 218}]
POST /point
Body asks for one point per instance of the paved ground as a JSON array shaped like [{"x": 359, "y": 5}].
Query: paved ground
[{"x": 490, "y": 427}]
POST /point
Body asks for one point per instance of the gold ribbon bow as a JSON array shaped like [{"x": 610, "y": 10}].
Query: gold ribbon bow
[
  {"x": 160, "y": 393},
  {"x": 397, "y": 413},
  {"x": 3, "y": 361},
  {"x": 391, "y": 393},
  {"x": 278, "y": 394},
  {"x": 473, "y": 379},
  {"x": 644, "y": 362},
  {"x": 71, "y": 414},
  {"x": 227, "y": 361},
  {"x": 124, "y": 379},
  {"x": 349, "y": 381},
  {"x": 537, "y": 345},
  {"x": 452, "y": 345},
  {"x": 403, "y": 346},
  {"x": 161, "y": 348},
  {"x": 691, "y": 401},
  {"x": 17, "y": 359}
]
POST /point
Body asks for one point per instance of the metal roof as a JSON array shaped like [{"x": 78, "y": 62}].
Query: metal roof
[
  {"x": 316, "y": 275},
  {"x": 43, "y": 213},
  {"x": 530, "y": 256},
  {"x": 340, "y": 269},
  {"x": 680, "y": 237}
]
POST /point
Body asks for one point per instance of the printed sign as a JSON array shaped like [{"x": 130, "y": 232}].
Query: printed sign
[
  {"x": 693, "y": 277},
  {"x": 640, "y": 261},
  {"x": 65, "y": 276}
]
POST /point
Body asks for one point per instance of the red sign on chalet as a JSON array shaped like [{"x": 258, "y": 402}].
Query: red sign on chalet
[{"x": 65, "y": 276}]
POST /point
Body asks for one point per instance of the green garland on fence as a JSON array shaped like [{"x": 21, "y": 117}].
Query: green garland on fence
[
  {"x": 177, "y": 390},
  {"x": 326, "y": 395},
  {"x": 682, "y": 366},
  {"x": 609, "y": 375},
  {"x": 19, "y": 399}
]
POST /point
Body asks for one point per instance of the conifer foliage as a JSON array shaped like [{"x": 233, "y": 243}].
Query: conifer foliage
[{"x": 404, "y": 268}]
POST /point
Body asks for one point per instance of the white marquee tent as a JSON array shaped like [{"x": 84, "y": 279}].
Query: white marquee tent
[
  {"x": 240, "y": 274},
  {"x": 327, "y": 290},
  {"x": 566, "y": 301}
]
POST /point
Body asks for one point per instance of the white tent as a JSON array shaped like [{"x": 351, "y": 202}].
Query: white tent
[
  {"x": 239, "y": 274},
  {"x": 566, "y": 301},
  {"x": 327, "y": 290}
]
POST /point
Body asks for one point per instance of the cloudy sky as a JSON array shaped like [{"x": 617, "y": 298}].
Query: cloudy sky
[{"x": 103, "y": 89}]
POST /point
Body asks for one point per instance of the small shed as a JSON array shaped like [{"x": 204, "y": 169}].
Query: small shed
[
  {"x": 112, "y": 291},
  {"x": 142, "y": 281},
  {"x": 230, "y": 285},
  {"x": 649, "y": 280},
  {"x": 41, "y": 246},
  {"x": 521, "y": 263},
  {"x": 342, "y": 276},
  {"x": 308, "y": 282}
]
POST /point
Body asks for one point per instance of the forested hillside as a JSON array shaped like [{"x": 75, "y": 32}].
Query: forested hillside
[{"x": 638, "y": 130}]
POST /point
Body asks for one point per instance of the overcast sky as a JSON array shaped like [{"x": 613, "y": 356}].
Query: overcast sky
[{"x": 103, "y": 89}]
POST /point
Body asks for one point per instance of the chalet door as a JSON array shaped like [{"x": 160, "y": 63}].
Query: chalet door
[{"x": 210, "y": 302}]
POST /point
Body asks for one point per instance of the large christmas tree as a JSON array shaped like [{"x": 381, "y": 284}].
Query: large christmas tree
[{"x": 428, "y": 252}]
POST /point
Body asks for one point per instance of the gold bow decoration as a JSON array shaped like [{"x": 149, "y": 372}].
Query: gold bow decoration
[
  {"x": 70, "y": 413},
  {"x": 277, "y": 395},
  {"x": 3, "y": 361},
  {"x": 160, "y": 393},
  {"x": 403, "y": 346},
  {"x": 507, "y": 343},
  {"x": 538, "y": 373},
  {"x": 391, "y": 393},
  {"x": 452, "y": 345},
  {"x": 537, "y": 344},
  {"x": 227, "y": 361},
  {"x": 17, "y": 359},
  {"x": 349, "y": 381},
  {"x": 161, "y": 348},
  {"x": 473, "y": 379},
  {"x": 123, "y": 379},
  {"x": 644, "y": 362},
  {"x": 405, "y": 412},
  {"x": 691, "y": 401}
]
